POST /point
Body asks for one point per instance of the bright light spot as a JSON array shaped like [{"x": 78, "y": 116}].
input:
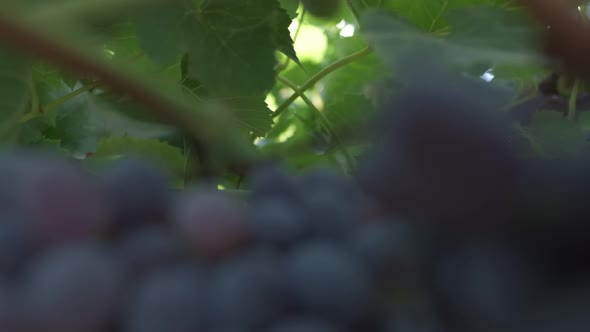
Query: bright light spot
[
  {"x": 220, "y": 187},
  {"x": 317, "y": 101},
  {"x": 346, "y": 30},
  {"x": 271, "y": 102},
  {"x": 108, "y": 53},
  {"x": 288, "y": 133},
  {"x": 487, "y": 76},
  {"x": 311, "y": 43}
]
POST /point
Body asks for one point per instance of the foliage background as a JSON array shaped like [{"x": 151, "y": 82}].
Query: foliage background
[{"x": 220, "y": 83}]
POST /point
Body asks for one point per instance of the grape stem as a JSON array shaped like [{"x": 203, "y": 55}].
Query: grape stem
[
  {"x": 571, "y": 114},
  {"x": 38, "y": 111},
  {"x": 321, "y": 74},
  {"x": 353, "y": 10},
  {"x": 323, "y": 119}
]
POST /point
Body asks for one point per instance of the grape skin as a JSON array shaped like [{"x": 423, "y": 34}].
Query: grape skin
[
  {"x": 139, "y": 192},
  {"x": 170, "y": 300},
  {"x": 246, "y": 290},
  {"x": 83, "y": 279},
  {"x": 323, "y": 277},
  {"x": 210, "y": 221},
  {"x": 276, "y": 221}
]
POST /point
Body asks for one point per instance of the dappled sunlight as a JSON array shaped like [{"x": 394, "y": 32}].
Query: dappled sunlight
[{"x": 311, "y": 43}]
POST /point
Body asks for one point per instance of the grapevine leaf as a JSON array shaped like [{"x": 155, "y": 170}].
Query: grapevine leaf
[
  {"x": 487, "y": 27},
  {"x": 349, "y": 92},
  {"x": 232, "y": 46},
  {"x": 83, "y": 121},
  {"x": 553, "y": 135},
  {"x": 391, "y": 36},
  {"x": 251, "y": 113},
  {"x": 165, "y": 155},
  {"x": 291, "y": 7},
  {"x": 426, "y": 15},
  {"x": 15, "y": 94},
  {"x": 282, "y": 36},
  {"x": 160, "y": 31}
]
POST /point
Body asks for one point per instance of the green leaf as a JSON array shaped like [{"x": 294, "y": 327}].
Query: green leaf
[
  {"x": 488, "y": 27},
  {"x": 83, "y": 121},
  {"x": 161, "y": 153},
  {"x": 553, "y": 135},
  {"x": 290, "y": 6},
  {"x": 426, "y": 15},
  {"x": 251, "y": 113},
  {"x": 15, "y": 94},
  {"x": 349, "y": 92},
  {"x": 160, "y": 31},
  {"x": 231, "y": 51},
  {"x": 282, "y": 36},
  {"x": 392, "y": 36}
]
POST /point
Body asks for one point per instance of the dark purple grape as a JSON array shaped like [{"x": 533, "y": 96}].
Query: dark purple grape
[
  {"x": 306, "y": 324},
  {"x": 330, "y": 217},
  {"x": 150, "y": 248},
  {"x": 325, "y": 278},
  {"x": 75, "y": 288},
  {"x": 483, "y": 286},
  {"x": 169, "y": 300},
  {"x": 139, "y": 191},
  {"x": 246, "y": 291},
  {"x": 276, "y": 221},
  {"x": 13, "y": 313},
  {"x": 211, "y": 222},
  {"x": 57, "y": 201},
  {"x": 330, "y": 181},
  {"x": 564, "y": 307},
  {"x": 387, "y": 247},
  {"x": 16, "y": 246},
  {"x": 273, "y": 181},
  {"x": 446, "y": 151}
]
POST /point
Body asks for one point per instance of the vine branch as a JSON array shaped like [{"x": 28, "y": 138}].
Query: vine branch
[
  {"x": 38, "y": 111},
  {"x": 325, "y": 122},
  {"x": 321, "y": 74},
  {"x": 36, "y": 42}
]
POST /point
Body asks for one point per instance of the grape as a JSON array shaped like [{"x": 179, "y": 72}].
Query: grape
[
  {"x": 387, "y": 247},
  {"x": 15, "y": 246},
  {"x": 246, "y": 290},
  {"x": 75, "y": 288},
  {"x": 170, "y": 300},
  {"x": 329, "y": 181},
  {"x": 321, "y": 8},
  {"x": 210, "y": 221},
  {"x": 333, "y": 204},
  {"x": 276, "y": 221},
  {"x": 323, "y": 277},
  {"x": 565, "y": 307},
  {"x": 272, "y": 181},
  {"x": 446, "y": 153},
  {"x": 483, "y": 287},
  {"x": 150, "y": 248},
  {"x": 306, "y": 324},
  {"x": 139, "y": 191},
  {"x": 12, "y": 310},
  {"x": 330, "y": 217},
  {"x": 58, "y": 201}
]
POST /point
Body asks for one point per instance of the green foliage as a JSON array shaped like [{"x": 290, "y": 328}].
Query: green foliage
[{"x": 171, "y": 79}]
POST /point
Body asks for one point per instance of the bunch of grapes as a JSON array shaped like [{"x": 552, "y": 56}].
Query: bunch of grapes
[
  {"x": 446, "y": 228},
  {"x": 120, "y": 251},
  {"x": 509, "y": 243}
]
